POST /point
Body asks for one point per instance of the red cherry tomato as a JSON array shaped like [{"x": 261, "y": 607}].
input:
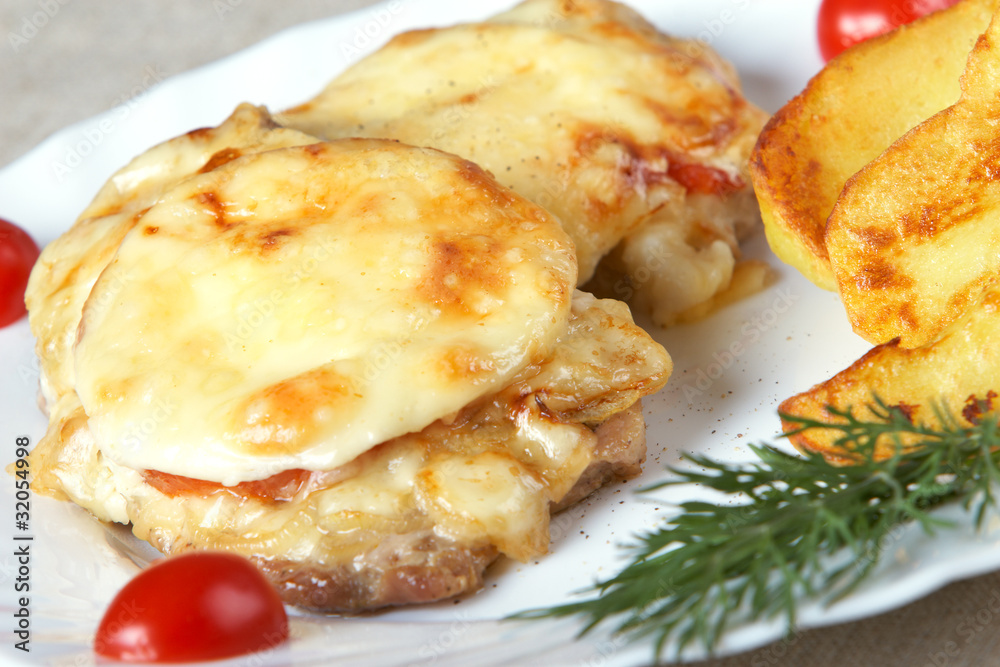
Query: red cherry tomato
[
  {"x": 18, "y": 253},
  {"x": 196, "y": 606},
  {"x": 843, "y": 23}
]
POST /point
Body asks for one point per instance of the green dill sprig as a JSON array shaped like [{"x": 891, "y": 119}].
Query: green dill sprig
[{"x": 716, "y": 565}]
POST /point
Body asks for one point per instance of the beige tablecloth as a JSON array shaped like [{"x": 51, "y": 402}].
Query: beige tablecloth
[{"x": 85, "y": 56}]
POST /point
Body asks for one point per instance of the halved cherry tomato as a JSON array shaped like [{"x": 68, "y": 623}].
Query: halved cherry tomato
[
  {"x": 196, "y": 606},
  {"x": 18, "y": 253},
  {"x": 843, "y": 23}
]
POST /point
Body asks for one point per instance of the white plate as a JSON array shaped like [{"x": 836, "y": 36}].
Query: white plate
[{"x": 790, "y": 336}]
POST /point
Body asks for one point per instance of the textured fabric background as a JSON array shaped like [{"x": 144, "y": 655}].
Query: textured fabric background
[{"x": 88, "y": 55}]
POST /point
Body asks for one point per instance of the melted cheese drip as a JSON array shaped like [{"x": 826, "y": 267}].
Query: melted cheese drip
[{"x": 296, "y": 307}]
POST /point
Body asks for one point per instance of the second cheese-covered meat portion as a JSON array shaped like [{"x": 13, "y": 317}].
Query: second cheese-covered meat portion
[{"x": 635, "y": 140}]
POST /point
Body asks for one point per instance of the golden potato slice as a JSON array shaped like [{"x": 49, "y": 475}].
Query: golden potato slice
[
  {"x": 960, "y": 373},
  {"x": 850, "y": 112},
  {"x": 913, "y": 238}
]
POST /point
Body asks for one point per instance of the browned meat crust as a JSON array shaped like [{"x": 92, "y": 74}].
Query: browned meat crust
[{"x": 620, "y": 453}]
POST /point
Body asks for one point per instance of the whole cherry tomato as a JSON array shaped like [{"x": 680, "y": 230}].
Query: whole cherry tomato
[
  {"x": 843, "y": 23},
  {"x": 195, "y": 606},
  {"x": 18, "y": 253}
]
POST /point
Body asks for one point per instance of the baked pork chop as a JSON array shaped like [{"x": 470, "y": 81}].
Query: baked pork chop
[
  {"x": 638, "y": 142},
  {"x": 361, "y": 364}
]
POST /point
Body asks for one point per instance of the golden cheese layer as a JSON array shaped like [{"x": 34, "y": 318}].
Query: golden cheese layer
[
  {"x": 65, "y": 273},
  {"x": 294, "y": 307},
  {"x": 585, "y": 109},
  {"x": 485, "y": 476}
]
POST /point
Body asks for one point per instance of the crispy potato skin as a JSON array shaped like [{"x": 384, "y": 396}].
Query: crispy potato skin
[
  {"x": 959, "y": 373},
  {"x": 878, "y": 181},
  {"x": 913, "y": 237},
  {"x": 850, "y": 112}
]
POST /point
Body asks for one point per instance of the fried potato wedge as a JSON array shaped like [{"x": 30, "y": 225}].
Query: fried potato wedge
[
  {"x": 850, "y": 112},
  {"x": 960, "y": 373},
  {"x": 913, "y": 238}
]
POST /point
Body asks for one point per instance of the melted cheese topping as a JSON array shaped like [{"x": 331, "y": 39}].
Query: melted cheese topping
[
  {"x": 68, "y": 267},
  {"x": 487, "y": 476},
  {"x": 582, "y": 107},
  {"x": 295, "y": 307}
]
